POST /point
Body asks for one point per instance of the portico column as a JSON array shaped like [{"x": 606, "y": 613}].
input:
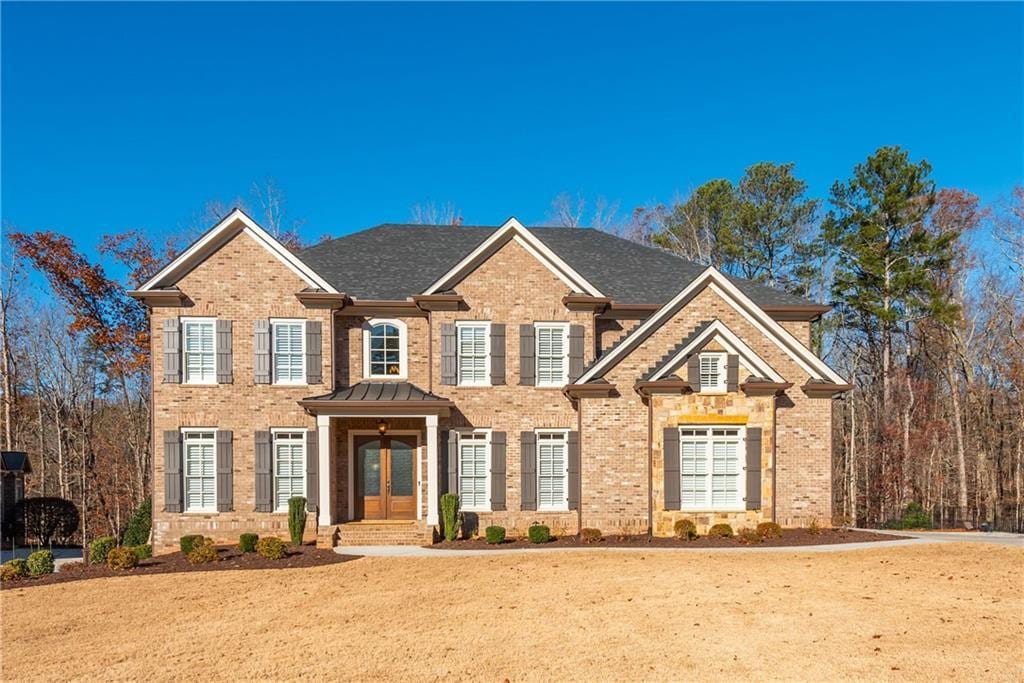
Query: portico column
[
  {"x": 432, "y": 473},
  {"x": 323, "y": 428}
]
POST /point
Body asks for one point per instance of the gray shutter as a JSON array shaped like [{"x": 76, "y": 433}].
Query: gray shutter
[
  {"x": 753, "y": 498},
  {"x": 261, "y": 351},
  {"x": 314, "y": 353},
  {"x": 574, "y": 470},
  {"x": 172, "y": 351},
  {"x": 732, "y": 372},
  {"x": 225, "y": 458},
  {"x": 312, "y": 469},
  {"x": 453, "y": 462},
  {"x": 693, "y": 372},
  {"x": 497, "y": 353},
  {"x": 528, "y": 470},
  {"x": 224, "y": 372},
  {"x": 575, "y": 352},
  {"x": 527, "y": 356},
  {"x": 449, "y": 371},
  {"x": 173, "y": 497},
  {"x": 264, "y": 475},
  {"x": 672, "y": 457},
  {"x": 498, "y": 470}
]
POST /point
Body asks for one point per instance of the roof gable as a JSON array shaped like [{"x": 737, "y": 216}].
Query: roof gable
[{"x": 707, "y": 332}]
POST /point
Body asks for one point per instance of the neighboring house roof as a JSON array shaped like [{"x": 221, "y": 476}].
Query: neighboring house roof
[{"x": 15, "y": 462}]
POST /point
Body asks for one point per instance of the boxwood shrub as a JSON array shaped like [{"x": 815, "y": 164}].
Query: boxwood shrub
[
  {"x": 720, "y": 531},
  {"x": 187, "y": 542},
  {"x": 203, "y": 551},
  {"x": 40, "y": 562},
  {"x": 769, "y": 530},
  {"x": 142, "y": 552},
  {"x": 495, "y": 534},
  {"x": 539, "y": 533},
  {"x": 247, "y": 542},
  {"x": 685, "y": 529},
  {"x": 749, "y": 536},
  {"x": 122, "y": 558},
  {"x": 588, "y": 535},
  {"x": 99, "y": 548},
  {"x": 271, "y": 547},
  {"x": 13, "y": 569}
]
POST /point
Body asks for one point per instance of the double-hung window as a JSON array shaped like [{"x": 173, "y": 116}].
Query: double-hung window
[
  {"x": 288, "y": 340},
  {"x": 200, "y": 450},
  {"x": 710, "y": 468},
  {"x": 289, "y": 467},
  {"x": 552, "y": 471},
  {"x": 198, "y": 348},
  {"x": 552, "y": 354},
  {"x": 712, "y": 372},
  {"x": 473, "y": 351},
  {"x": 474, "y": 458}
]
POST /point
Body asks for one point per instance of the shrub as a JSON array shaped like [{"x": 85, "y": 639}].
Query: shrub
[
  {"x": 915, "y": 517},
  {"x": 590, "y": 535},
  {"x": 40, "y": 562},
  {"x": 203, "y": 551},
  {"x": 142, "y": 552},
  {"x": 271, "y": 547},
  {"x": 814, "y": 528},
  {"x": 450, "y": 515},
  {"x": 495, "y": 534},
  {"x": 296, "y": 518},
  {"x": 13, "y": 569},
  {"x": 720, "y": 531},
  {"x": 539, "y": 533},
  {"x": 769, "y": 530},
  {"x": 122, "y": 558},
  {"x": 47, "y": 520},
  {"x": 187, "y": 542},
  {"x": 247, "y": 542},
  {"x": 99, "y": 548},
  {"x": 685, "y": 529},
  {"x": 137, "y": 531},
  {"x": 749, "y": 537}
]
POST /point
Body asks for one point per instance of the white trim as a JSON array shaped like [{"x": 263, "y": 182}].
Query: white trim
[
  {"x": 417, "y": 469},
  {"x": 732, "y": 343},
  {"x": 741, "y": 458},
  {"x": 185, "y": 431},
  {"x": 532, "y": 244},
  {"x": 564, "y": 434},
  {"x": 487, "y": 460},
  {"x": 465, "y": 324},
  {"x": 721, "y": 359},
  {"x": 565, "y": 353},
  {"x": 324, "y": 452},
  {"x": 217, "y": 236},
  {"x": 183, "y": 322},
  {"x": 403, "y": 347},
  {"x": 274, "y": 432},
  {"x": 432, "y": 473},
  {"x": 301, "y": 322},
  {"x": 815, "y": 367}
]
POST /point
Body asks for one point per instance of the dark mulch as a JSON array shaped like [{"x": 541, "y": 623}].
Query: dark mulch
[
  {"x": 230, "y": 558},
  {"x": 790, "y": 537}
]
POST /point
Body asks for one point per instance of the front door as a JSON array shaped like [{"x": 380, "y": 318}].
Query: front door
[{"x": 385, "y": 477}]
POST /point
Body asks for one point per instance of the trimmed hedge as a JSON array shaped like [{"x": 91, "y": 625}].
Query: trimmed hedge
[
  {"x": 495, "y": 534},
  {"x": 142, "y": 552},
  {"x": 247, "y": 542},
  {"x": 122, "y": 558},
  {"x": 720, "y": 531},
  {"x": 539, "y": 533},
  {"x": 271, "y": 547},
  {"x": 99, "y": 549},
  {"x": 40, "y": 562},
  {"x": 13, "y": 569},
  {"x": 685, "y": 529},
  {"x": 203, "y": 551},
  {"x": 187, "y": 542},
  {"x": 137, "y": 531}
]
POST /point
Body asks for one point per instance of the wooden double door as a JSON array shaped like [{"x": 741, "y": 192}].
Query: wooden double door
[{"x": 385, "y": 477}]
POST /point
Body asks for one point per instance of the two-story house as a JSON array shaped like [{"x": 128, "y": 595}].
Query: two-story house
[{"x": 554, "y": 375}]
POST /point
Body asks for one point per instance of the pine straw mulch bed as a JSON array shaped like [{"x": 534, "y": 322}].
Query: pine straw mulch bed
[
  {"x": 790, "y": 537},
  {"x": 230, "y": 558}
]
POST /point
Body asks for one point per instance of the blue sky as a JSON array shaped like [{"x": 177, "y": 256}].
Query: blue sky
[{"x": 135, "y": 115}]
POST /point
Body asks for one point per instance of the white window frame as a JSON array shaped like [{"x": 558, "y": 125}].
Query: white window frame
[
  {"x": 476, "y": 434},
  {"x": 564, "y": 327},
  {"x": 468, "y": 325},
  {"x": 739, "y": 505},
  {"x": 185, "y": 324},
  {"x": 274, "y": 322},
  {"x": 187, "y": 434},
  {"x": 563, "y": 436},
  {"x": 403, "y": 345},
  {"x": 720, "y": 357},
  {"x": 275, "y": 432}
]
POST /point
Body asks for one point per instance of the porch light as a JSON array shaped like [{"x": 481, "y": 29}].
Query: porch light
[{"x": 382, "y": 427}]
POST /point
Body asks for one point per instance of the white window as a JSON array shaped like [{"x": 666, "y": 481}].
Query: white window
[
  {"x": 712, "y": 372},
  {"x": 712, "y": 477},
  {"x": 200, "y": 448},
  {"x": 474, "y": 470},
  {"x": 552, "y": 354},
  {"x": 288, "y": 339},
  {"x": 289, "y": 467},
  {"x": 198, "y": 347},
  {"x": 384, "y": 349},
  {"x": 473, "y": 351},
  {"x": 552, "y": 471}
]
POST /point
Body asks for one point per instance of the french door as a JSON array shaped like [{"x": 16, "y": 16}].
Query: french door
[{"x": 385, "y": 477}]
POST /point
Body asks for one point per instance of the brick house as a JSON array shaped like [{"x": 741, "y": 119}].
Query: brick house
[{"x": 554, "y": 375}]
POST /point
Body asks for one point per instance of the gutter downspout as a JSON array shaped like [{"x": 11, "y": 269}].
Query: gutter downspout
[
  {"x": 775, "y": 452},
  {"x": 650, "y": 466},
  {"x": 579, "y": 493},
  {"x": 430, "y": 352}
]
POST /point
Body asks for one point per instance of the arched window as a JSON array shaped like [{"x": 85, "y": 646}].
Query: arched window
[{"x": 385, "y": 348}]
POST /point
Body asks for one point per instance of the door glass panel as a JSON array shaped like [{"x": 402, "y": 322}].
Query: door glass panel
[
  {"x": 401, "y": 468},
  {"x": 369, "y": 459}
]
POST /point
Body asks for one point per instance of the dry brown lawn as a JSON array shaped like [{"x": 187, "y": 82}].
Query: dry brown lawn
[{"x": 938, "y": 612}]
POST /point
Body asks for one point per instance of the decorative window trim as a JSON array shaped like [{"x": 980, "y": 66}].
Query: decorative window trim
[
  {"x": 564, "y": 327},
  {"x": 186, "y": 432},
  {"x": 563, "y": 436},
  {"x": 301, "y": 440},
  {"x": 739, "y": 505},
  {"x": 476, "y": 433},
  {"x": 471, "y": 324},
  {"x": 274, "y": 322},
  {"x": 403, "y": 345},
  {"x": 185, "y": 323},
  {"x": 721, "y": 358}
]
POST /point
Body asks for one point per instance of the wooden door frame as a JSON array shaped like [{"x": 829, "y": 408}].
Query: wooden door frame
[{"x": 352, "y": 434}]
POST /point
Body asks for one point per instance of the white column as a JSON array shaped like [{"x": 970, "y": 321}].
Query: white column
[
  {"x": 323, "y": 427},
  {"x": 431, "y": 469}
]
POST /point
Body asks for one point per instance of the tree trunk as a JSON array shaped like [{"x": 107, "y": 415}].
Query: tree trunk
[{"x": 961, "y": 456}]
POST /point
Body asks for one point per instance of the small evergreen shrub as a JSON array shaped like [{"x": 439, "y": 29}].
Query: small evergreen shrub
[
  {"x": 137, "y": 531},
  {"x": 749, "y": 536},
  {"x": 539, "y": 533},
  {"x": 296, "y": 518},
  {"x": 142, "y": 552},
  {"x": 915, "y": 517},
  {"x": 13, "y": 569},
  {"x": 122, "y": 558},
  {"x": 814, "y": 528},
  {"x": 450, "y": 515},
  {"x": 685, "y": 529},
  {"x": 203, "y": 551},
  {"x": 247, "y": 542},
  {"x": 590, "y": 535},
  {"x": 187, "y": 542},
  {"x": 99, "y": 548},
  {"x": 495, "y": 534},
  {"x": 40, "y": 562},
  {"x": 769, "y": 530},
  {"x": 720, "y": 531},
  {"x": 271, "y": 547}
]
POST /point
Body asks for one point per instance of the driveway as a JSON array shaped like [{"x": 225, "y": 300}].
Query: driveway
[
  {"x": 993, "y": 537},
  {"x": 61, "y": 556}
]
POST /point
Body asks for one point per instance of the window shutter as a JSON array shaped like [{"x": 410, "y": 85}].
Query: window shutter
[
  {"x": 497, "y": 354},
  {"x": 693, "y": 372},
  {"x": 261, "y": 351},
  {"x": 264, "y": 473},
  {"x": 449, "y": 370},
  {"x": 528, "y": 470},
  {"x": 453, "y": 462},
  {"x": 172, "y": 472},
  {"x": 225, "y": 456},
  {"x": 314, "y": 353},
  {"x": 172, "y": 351},
  {"x": 753, "y": 477},
  {"x": 574, "y": 470},
  {"x": 672, "y": 455},
  {"x": 442, "y": 462},
  {"x": 527, "y": 357},
  {"x": 312, "y": 468},
  {"x": 498, "y": 470},
  {"x": 223, "y": 346},
  {"x": 575, "y": 352},
  {"x": 732, "y": 372}
]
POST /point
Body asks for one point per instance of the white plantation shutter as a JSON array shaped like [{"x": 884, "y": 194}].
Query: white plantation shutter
[
  {"x": 199, "y": 351},
  {"x": 473, "y": 471},
  {"x": 552, "y": 471},
  {"x": 472, "y": 354},
  {"x": 725, "y": 469},
  {"x": 551, "y": 355},
  {"x": 693, "y": 490},
  {"x": 288, "y": 351},
  {"x": 200, "y": 472},
  {"x": 710, "y": 468},
  {"x": 289, "y": 467}
]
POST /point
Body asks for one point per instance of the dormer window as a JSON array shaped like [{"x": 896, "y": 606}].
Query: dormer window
[
  {"x": 384, "y": 349},
  {"x": 712, "y": 372}
]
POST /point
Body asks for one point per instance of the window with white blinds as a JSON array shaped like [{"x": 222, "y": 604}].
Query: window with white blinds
[
  {"x": 472, "y": 352},
  {"x": 552, "y": 354},
  {"x": 712, "y": 372},
  {"x": 199, "y": 351},
  {"x": 711, "y": 468},
  {"x": 288, "y": 339},
  {"x": 200, "y": 456},
  {"x": 552, "y": 471},
  {"x": 289, "y": 467},
  {"x": 473, "y": 471}
]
